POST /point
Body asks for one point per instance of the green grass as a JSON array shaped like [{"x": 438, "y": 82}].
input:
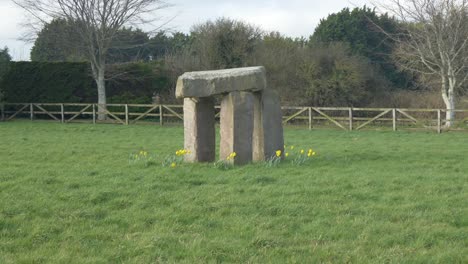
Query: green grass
[{"x": 69, "y": 195}]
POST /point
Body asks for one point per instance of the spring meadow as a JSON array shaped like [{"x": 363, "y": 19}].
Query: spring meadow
[{"x": 151, "y": 131}]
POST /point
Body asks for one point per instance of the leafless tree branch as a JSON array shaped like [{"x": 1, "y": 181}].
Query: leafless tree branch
[
  {"x": 433, "y": 40},
  {"x": 97, "y": 23}
]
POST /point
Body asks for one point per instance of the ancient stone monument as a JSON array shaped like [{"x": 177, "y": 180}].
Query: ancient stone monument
[{"x": 251, "y": 118}]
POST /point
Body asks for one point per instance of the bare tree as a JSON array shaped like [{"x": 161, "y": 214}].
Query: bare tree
[
  {"x": 97, "y": 23},
  {"x": 433, "y": 41}
]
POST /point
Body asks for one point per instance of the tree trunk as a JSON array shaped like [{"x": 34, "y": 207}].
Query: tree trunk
[
  {"x": 102, "y": 101},
  {"x": 450, "y": 115},
  {"x": 448, "y": 96}
]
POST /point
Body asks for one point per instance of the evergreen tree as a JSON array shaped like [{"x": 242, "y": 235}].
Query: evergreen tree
[
  {"x": 5, "y": 59},
  {"x": 361, "y": 29}
]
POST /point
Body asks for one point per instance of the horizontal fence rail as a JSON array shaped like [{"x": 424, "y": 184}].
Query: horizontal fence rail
[{"x": 344, "y": 118}]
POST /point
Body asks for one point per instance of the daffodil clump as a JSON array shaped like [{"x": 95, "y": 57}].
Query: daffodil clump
[
  {"x": 301, "y": 156},
  {"x": 231, "y": 156},
  {"x": 274, "y": 160},
  {"x": 182, "y": 152},
  {"x": 142, "y": 156},
  {"x": 174, "y": 161},
  {"x": 226, "y": 164}
]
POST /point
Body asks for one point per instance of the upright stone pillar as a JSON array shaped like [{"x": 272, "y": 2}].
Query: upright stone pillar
[
  {"x": 237, "y": 113},
  {"x": 199, "y": 129},
  {"x": 268, "y": 126}
]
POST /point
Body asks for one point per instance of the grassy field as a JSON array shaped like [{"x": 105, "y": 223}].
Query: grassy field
[{"x": 68, "y": 194}]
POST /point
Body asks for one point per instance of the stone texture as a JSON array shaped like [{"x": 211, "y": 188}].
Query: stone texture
[
  {"x": 237, "y": 114},
  {"x": 199, "y": 129},
  {"x": 209, "y": 83},
  {"x": 268, "y": 126}
]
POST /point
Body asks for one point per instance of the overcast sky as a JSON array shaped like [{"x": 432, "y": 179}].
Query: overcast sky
[{"x": 294, "y": 18}]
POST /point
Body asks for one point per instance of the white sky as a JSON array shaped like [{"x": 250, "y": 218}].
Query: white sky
[{"x": 293, "y": 18}]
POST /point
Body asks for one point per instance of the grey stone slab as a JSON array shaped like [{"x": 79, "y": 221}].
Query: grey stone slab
[
  {"x": 237, "y": 113},
  {"x": 209, "y": 83},
  {"x": 268, "y": 126},
  {"x": 199, "y": 129}
]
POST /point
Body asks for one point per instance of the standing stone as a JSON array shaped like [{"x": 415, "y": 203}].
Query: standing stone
[
  {"x": 268, "y": 126},
  {"x": 199, "y": 129},
  {"x": 251, "y": 118},
  {"x": 237, "y": 113}
]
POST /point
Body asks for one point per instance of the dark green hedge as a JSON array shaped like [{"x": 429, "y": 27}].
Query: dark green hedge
[
  {"x": 71, "y": 82},
  {"x": 48, "y": 82},
  {"x": 136, "y": 82}
]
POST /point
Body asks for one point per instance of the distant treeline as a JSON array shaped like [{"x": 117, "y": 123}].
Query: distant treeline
[{"x": 346, "y": 62}]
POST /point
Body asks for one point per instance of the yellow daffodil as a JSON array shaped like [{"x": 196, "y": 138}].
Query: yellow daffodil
[
  {"x": 286, "y": 154},
  {"x": 292, "y": 147},
  {"x": 173, "y": 165},
  {"x": 231, "y": 156},
  {"x": 309, "y": 154},
  {"x": 278, "y": 153},
  {"x": 313, "y": 153},
  {"x": 302, "y": 151}
]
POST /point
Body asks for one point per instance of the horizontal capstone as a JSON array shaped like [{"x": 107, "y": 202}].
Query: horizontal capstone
[{"x": 209, "y": 83}]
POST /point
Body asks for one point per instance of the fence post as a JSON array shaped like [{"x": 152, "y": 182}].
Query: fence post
[
  {"x": 439, "y": 122},
  {"x": 350, "y": 119},
  {"x": 310, "y": 118},
  {"x": 31, "y": 111},
  {"x": 161, "y": 115},
  {"x": 126, "y": 114},
  {"x": 394, "y": 119},
  {"x": 94, "y": 114},
  {"x": 62, "y": 113},
  {"x": 2, "y": 109}
]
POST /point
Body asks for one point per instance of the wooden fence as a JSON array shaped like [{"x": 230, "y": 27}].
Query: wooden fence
[{"x": 340, "y": 117}]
